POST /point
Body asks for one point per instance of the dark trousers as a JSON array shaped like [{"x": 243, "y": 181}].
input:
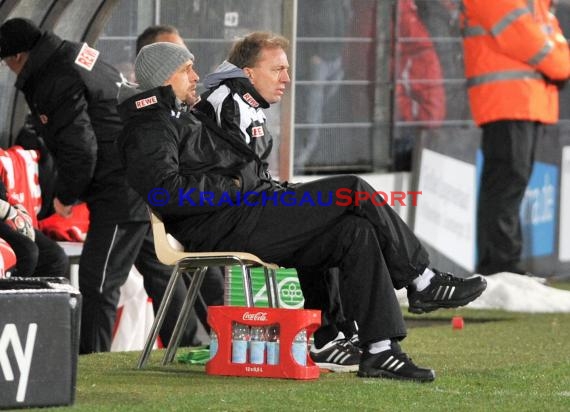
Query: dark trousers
[
  {"x": 374, "y": 250},
  {"x": 508, "y": 148},
  {"x": 42, "y": 257},
  {"x": 109, "y": 252},
  {"x": 322, "y": 291}
]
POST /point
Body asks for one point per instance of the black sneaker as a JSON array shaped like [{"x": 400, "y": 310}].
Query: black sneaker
[
  {"x": 354, "y": 341},
  {"x": 445, "y": 291},
  {"x": 392, "y": 364},
  {"x": 338, "y": 355}
]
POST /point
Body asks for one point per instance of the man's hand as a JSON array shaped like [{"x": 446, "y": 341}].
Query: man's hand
[
  {"x": 18, "y": 219},
  {"x": 61, "y": 209}
]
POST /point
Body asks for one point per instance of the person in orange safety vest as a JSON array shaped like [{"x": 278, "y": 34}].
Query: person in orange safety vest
[{"x": 516, "y": 59}]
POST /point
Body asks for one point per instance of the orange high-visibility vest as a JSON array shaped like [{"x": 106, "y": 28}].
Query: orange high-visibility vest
[{"x": 513, "y": 50}]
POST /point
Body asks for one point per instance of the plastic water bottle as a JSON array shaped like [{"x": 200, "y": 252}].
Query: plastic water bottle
[
  {"x": 213, "y": 343},
  {"x": 257, "y": 345},
  {"x": 299, "y": 347},
  {"x": 273, "y": 345},
  {"x": 240, "y": 338}
]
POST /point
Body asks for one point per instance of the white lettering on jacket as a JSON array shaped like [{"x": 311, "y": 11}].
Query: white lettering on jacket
[
  {"x": 146, "y": 102},
  {"x": 250, "y": 100},
  {"x": 87, "y": 57}
]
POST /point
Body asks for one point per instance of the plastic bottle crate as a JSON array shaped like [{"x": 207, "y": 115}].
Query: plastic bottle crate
[{"x": 291, "y": 322}]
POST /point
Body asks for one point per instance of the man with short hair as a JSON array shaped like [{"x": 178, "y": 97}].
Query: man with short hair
[
  {"x": 159, "y": 33},
  {"x": 236, "y": 97},
  {"x": 219, "y": 197}
]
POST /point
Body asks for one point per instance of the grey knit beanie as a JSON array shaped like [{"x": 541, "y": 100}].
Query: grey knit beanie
[{"x": 156, "y": 62}]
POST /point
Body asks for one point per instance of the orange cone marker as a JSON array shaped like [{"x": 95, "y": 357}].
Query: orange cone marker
[{"x": 457, "y": 322}]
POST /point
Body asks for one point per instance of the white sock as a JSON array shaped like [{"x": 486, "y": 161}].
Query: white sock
[
  {"x": 422, "y": 281},
  {"x": 380, "y": 346}
]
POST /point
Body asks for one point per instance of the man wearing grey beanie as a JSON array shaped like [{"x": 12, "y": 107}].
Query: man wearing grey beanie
[
  {"x": 163, "y": 63},
  {"x": 212, "y": 290}
]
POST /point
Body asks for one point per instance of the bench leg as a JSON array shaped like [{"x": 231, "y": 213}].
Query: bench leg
[
  {"x": 184, "y": 315},
  {"x": 159, "y": 318}
]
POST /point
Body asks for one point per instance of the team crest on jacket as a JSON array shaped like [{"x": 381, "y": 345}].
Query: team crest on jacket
[
  {"x": 43, "y": 119},
  {"x": 250, "y": 100},
  {"x": 87, "y": 57},
  {"x": 148, "y": 101},
  {"x": 257, "y": 131}
]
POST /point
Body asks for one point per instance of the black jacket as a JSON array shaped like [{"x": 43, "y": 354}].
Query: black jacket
[
  {"x": 184, "y": 155},
  {"x": 74, "y": 110},
  {"x": 234, "y": 104}
]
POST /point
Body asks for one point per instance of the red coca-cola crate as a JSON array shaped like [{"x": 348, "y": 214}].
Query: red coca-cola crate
[{"x": 290, "y": 321}]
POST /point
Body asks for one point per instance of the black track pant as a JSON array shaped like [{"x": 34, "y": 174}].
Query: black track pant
[
  {"x": 373, "y": 248},
  {"x": 508, "y": 148},
  {"x": 322, "y": 291},
  {"x": 109, "y": 252}
]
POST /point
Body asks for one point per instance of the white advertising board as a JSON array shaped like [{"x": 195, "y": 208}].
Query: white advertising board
[{"x": 445, "y": 215}]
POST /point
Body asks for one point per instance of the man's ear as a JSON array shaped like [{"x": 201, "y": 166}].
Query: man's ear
[
  {"x": 248, "y": 72},
  {"x": 19, "y": 57}
]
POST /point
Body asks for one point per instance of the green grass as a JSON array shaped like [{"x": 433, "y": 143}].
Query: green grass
[{"x": 499, "y": 362}]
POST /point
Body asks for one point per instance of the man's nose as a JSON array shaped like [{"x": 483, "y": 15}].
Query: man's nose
[{"x": 193, "y": 76}]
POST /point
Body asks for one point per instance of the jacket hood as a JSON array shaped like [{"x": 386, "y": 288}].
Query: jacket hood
[
  {"x": 126, "y": 90},
  {"x": 224, "y": 71}
]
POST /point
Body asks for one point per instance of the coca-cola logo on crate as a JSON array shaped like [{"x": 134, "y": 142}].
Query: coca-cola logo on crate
[{"x": 259, "y": 316}]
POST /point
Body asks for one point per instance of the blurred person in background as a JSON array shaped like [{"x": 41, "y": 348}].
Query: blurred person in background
[
  {"x": 516, "y": 60},
  {"x": 420, "y": 95},
  {"x": 322, "y": 24}
]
